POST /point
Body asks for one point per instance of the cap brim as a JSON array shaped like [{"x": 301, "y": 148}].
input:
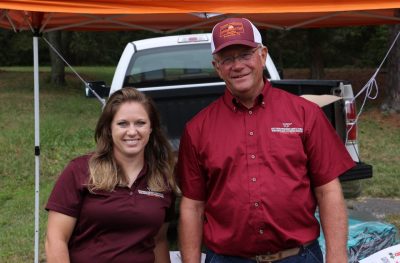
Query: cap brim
[{"x": 235, "y": 42}]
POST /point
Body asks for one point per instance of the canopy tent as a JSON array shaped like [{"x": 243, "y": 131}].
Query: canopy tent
[
  {"x": 174, "y": 15},
  {"x": 170, "y": 16}
]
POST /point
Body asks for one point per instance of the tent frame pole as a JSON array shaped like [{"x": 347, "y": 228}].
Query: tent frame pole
[{"x": 37, "y": 140}]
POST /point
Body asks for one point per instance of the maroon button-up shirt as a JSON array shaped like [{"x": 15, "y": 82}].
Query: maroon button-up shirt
[
  {"x": 117, "y": 226},
  {"x": 256, "y": 169}
]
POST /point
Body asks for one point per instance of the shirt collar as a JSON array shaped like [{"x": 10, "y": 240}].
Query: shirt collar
[{"x": 234, "y": 104}]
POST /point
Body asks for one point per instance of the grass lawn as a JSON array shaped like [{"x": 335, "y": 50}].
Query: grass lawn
[
  {"x": 67, "y": 121},
  {"x": 380, "y": 146}
]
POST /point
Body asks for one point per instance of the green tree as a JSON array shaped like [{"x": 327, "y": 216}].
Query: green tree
[
  {"x": 392, "y": 99},
  {"x": 16, "y": 49},
  {"x": 57, "y": 64},
  {"x": 316, "y": 39}
]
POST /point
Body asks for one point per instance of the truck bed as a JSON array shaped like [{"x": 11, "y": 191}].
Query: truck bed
[{"x": 177, "y": 105}]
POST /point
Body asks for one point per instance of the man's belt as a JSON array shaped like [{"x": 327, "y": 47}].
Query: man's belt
[{"x": 270, "y": 258}]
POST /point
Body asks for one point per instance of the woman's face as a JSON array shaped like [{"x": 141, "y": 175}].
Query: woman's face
[{"x": 130, "y": 131}]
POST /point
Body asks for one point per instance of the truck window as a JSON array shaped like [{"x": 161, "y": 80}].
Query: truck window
[{"x": 172, "y": 65}]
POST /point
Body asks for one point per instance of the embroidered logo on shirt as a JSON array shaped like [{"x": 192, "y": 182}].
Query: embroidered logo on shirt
[
  {"x": 287, "y": 128},
  {"x": 151, "y": 193}
]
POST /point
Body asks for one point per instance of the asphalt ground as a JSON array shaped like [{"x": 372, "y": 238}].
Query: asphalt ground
[{"x": 373, "y": 208}]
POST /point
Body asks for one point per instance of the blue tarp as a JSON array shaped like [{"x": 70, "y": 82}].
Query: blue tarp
[{"x": 366, "y": 238}]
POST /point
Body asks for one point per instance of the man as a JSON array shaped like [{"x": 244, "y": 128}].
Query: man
[{"x": 254, "y": 165}]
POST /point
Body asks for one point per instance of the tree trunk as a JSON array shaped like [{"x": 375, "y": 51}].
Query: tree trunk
[
  {"x": 317, "y": 60},
  {"x": 66, "y": 38},
  {"x": 391, "y": 103},
  {"x": 57, "y": 65}
]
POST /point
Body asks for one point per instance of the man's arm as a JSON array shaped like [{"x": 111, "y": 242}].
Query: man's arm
[
  {"x": 333, "y": 215},
  {"x": 191, "y": 229},
  {"x": 161, "y": 250}
]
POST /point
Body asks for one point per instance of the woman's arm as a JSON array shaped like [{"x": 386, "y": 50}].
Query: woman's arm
[
  {"x": 161, "y": 250},
  {"x": 59, "y": 230}
]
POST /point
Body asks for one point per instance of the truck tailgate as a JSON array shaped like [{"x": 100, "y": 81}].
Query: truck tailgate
[{"x": 360, "y": 171}]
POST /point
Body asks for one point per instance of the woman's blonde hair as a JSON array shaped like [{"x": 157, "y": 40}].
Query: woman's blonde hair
[{"x": 105, "y": 173}]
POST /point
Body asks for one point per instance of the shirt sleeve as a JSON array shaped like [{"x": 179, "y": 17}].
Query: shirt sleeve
[
  {"x": 68, "y": 192},
  {"x": 327, "y": 155},
  {"x": 191, "y": 180}
]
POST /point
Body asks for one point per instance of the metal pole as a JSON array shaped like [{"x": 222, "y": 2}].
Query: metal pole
[{"x": 37, "y": 141}]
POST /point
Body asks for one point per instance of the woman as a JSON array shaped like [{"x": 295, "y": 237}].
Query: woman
[{"x": 114, "y": 205}]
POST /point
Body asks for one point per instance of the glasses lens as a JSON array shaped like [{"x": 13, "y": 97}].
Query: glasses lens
[
  {"x": 227, "y": 61},
  {"x": 245, "y": 56}
]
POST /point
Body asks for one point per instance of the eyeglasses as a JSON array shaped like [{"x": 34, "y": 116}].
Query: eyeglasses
[{"x": 243, "y": 57}]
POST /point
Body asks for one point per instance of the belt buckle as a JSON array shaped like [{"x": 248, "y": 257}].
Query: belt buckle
[{"x": 268, "y": 258}]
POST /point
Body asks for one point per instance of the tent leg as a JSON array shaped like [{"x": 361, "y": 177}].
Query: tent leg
[{"x": 37, "y": 141}]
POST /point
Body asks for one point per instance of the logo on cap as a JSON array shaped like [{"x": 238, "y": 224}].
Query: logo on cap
[
  {"x": 231, "y": 29},
  {"x": 234, "y": 31}
]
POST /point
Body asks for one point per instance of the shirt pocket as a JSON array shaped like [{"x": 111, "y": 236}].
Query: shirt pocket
[{"x": 287, "y": 151}]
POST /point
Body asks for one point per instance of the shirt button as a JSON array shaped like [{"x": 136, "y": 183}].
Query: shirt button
[
  {"x": 251, "y": 133},
  {"x": 253, "y": 156},
  {"x": 253, "y": 179},
  {"x": 256, "y": 204},
  {"x": 131, "y": 193},
  {"x": 250, "y": 112},
  {"x": 261, "y": 231}
]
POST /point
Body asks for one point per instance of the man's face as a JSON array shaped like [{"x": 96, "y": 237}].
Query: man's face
[{"x": 241, "y": 67}]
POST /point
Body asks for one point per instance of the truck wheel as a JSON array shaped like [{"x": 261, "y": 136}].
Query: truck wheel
[{"x": 351, "y": 189}]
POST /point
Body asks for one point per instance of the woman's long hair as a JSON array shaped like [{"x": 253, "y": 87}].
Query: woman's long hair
[{"x": 105, "y": 173}]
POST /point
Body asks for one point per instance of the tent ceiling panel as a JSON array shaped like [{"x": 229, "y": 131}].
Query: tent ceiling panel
[
  {"x": 173, "y": 15},
  {"x": 192, "y": 6}
]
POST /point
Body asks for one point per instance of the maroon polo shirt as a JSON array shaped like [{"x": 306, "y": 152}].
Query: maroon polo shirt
[
  {"x": 256, "y": 169},
  {"x": 117, "y": 226}
]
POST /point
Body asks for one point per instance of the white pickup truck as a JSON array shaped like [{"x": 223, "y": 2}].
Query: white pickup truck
[{"x": 176, "y": 71}]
